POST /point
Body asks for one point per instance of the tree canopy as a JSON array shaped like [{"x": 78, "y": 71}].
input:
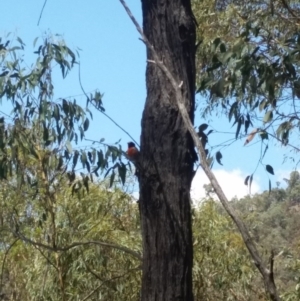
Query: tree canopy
[{"x": 248, "y": 67}]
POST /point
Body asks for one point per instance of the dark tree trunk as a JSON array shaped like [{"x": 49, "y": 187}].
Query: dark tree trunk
[{"x": 167, "y": 154}]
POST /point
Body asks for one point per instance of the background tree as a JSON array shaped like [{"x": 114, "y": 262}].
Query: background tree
[
  {"x": 43, "y": 188},
  {"x": 248, "y": 65}
]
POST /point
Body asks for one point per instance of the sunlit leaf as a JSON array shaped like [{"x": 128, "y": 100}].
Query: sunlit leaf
[
  {"x": 268, "y": 117},
  {"x": 262, "y": 105}
]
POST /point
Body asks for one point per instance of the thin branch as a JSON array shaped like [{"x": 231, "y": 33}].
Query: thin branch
[
  {"x": 107, "y": 116},
  {"x": 77, "y": 244},
  {"x": 47, "y": 270},
  {"x": 105, "y": 144},
  {"x": 288, "y": 144},
  {"x": 47, "y": 259},
  {"x": 105, "y": 281},
  {"x": 287, "y": 19},
  {"x": 269, "y": 284},
  {"x": 95, "y": 274},
  {"x": 101, "y": 279},
  {"x": 97, "y": 288},
  {"x": 41, "y": 13},
  {"x": 236, "y": 296},
  {"x": 120, "y": 127}
]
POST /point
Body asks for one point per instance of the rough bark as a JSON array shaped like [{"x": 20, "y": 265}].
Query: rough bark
[{"x": 167, "y": 154}]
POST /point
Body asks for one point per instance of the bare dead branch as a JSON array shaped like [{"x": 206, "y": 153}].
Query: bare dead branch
[{"x": 269, "y": 284}]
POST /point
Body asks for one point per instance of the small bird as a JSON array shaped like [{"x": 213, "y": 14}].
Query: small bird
[{"x": 132, "y": 153}]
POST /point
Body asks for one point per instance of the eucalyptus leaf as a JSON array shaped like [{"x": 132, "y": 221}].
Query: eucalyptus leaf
[{"x": 269, "y": 169}]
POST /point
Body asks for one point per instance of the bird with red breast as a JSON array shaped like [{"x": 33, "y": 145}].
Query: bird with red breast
[{"x": 132, "y": 153}]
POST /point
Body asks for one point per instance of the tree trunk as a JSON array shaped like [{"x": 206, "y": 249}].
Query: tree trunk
[{"x": 167, "y": 154}]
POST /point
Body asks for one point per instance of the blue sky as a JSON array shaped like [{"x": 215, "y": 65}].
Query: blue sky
[{"x": 113, "y": 60}]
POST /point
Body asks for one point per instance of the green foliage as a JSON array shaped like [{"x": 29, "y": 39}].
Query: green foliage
[
  {"x": 98, "y": 246},
  {"x": 56, "y": 212},
  {"x": 65, "y": 236},
  {"x": 44, "y": 130},
  {"x": 249, "y": 61},
  {"x": 222, "y": 266},
  {"x": 273, "y": 219},
  {"x": 90, "y": 232}
]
